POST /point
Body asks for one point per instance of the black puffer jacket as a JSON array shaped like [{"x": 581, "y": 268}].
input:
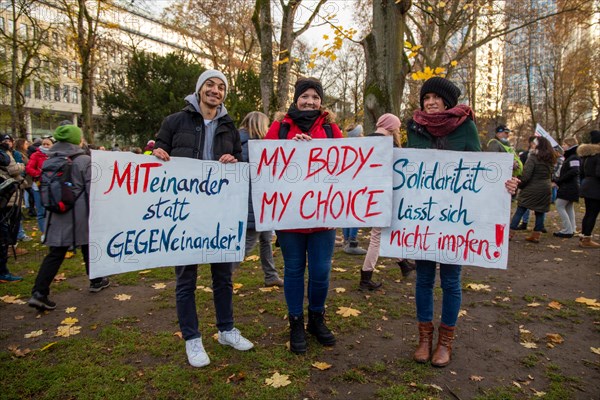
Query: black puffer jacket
[
  {"x": 590, "y": 170},
  {"x": 182, "y": 135},
  {"x": 568, "y": 178}
]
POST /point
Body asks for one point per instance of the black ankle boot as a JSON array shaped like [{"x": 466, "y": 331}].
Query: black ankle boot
[
  {"x": 297, "y": 335},
  {"x": 316, "y": 326},
  {"x": 366, "y": 283},
  {"x": 406, "y": 268}
]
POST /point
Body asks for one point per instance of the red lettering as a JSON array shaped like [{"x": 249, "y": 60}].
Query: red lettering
[
  {"x": 273, "y": 200},
  {"x": 371, "y": 202},
  {"x": 313, "y": 155},
  {"x": 266, "y": 161},
  {"x": 311, "y": 194},
  {"x": 147, "y": 167},
  {"x": 120, "y": 179},
  {"x": 353, "y": 202},
  {"x": 363, "y": 160}
]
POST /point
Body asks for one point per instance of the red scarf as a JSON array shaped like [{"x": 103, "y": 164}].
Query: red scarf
[{"x": 445, "y": 122}]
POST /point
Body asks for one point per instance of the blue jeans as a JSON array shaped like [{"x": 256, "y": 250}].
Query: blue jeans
[
  {"x": 526, "y": 217},
  {"x": 41, "y": 211},
  {"x": 185, "y": 298},
  {"x": 295, "y": 247},
  {"x": 451, "y": 287},
  {"x": 539, "y": 219},
  {"x": 350, "y": 233}
]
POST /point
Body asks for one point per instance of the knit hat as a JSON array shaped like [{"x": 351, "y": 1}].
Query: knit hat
[
  {"x": 356, "y": 131},
  {"x": 389, "y": 122},
  {"x": 211, "y": 73},
  {"x": 595, "y": 137},
  {"x": 502, "y": 128},
  {"x": 68, "y": 133},
  {"x": 447, "y": 90},
  {"x": 303, "y": 84},
  {"x": 6, "y": 137}
]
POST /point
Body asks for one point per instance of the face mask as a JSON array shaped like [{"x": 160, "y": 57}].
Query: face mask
[
  {"x": 44, "y": 150},
  {"x": 4, "y": 146}
]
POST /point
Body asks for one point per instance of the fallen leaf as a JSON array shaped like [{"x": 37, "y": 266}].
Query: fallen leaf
[
  {"x": 576, "y": 251},
  {"x": 278, "y": 380},
  {"x": 178, "y": 334},
  {"x": 60, "y": 277},
  {"x": 383, "y": 317},
  {"x": 478, "y": 287},
  {"x": 237, "y": 286},
  {"x": 588, "y": 302},
  {"x": 240, "y": 376},
  {"x": 517, "y": 384},
  {"x": 436, "y": 387},
  {"x": 555, "y": 305},
  {"x": 144, "y": 272},
  {"x": 462, "y": 313},
  {"x": 595, "y": 350},
  {"x": 70, "y": 310},
  {"x": 538, "y": 394},
  {"x": 529, "y": 345},
  {"x": 19, "y": 317},
  {"x": 339, "y": 269},
  {"x": 268, "y": 289},
  {"x": 476, "y": 378},
  {"x": 347, "y": 312},
  {"x": 321, "y": 365},
  {"x": 69, "y": 321},
  {"x": 67, "y": 330},
  {"x": 553, "y": 246},
  {"x": 554, "y": 338},
  {"x": 33, "y": 334},
  {"x": 17, "y": 352},
  {"x": 159, "y": 286},
  {"x": 46, "y": 347},
  {"x": 252, "y": 258},
  {"x": 533, "y": 305},
  {"x": 340, "y": 290},
  {"x": 205, "y": 289},
  {"x": 122, "y": 297},
  {"x": 558, "y": 259},
  {"x": 12, "y": 299}
]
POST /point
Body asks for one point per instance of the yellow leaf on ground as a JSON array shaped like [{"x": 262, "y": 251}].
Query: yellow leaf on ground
[
  {"x": 533, "y": 305},
  {"x": 60, "y": 277},
  {"x": 555, "y": 304},
  {"x": 321, "y": 365},
  {"x": 70, "y": 310},
  {"x": 268, "y": 289},
  {"x": 12, "y": 299},
  {"x": 46, "y": 347},
  {"x": 144, "y": 272},
  {"x": 554, "y": 338},
  {"x": 436, "y": 387},
  {"x": 595, "y": 350},
  {"x": 69, "y": 321},
  {"x": 538, "y": 394},
  {"x": 347, "y": 312},
  {"x": 252, "y": 258},
  {"x": 178, "y": 334},
  {"x": 278, "y": 380},
  {"x": 159, "y": 286},
  {"x": 33, "y": 334},
  {"x": 588, "y": 302},
  {"x": 529, "y": 345},
  {"x": 339, "y": 269},
  {"x": 237, "y": 286},
  {"x": 340, "y": 290},
  {"x": 122, "y": 297},
  {"x": 462, "y": 313},
  {"x": 476, "y": 378},
  {"x": 478, "y": 287},
  {"x": 67, "y": 330},
  {"x": 517, "y": 384}
]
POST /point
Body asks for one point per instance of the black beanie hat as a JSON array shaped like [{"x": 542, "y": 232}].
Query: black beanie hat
[
  {"x": 303, "y": 84},
  {"x": 595, "y": 137},
  {"x": 447, "y": 90}
]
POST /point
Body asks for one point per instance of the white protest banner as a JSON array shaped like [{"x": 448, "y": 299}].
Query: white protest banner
[
  {"x": 539, "y": 131},
  {"x": 450, "y": 207},
  {"x": 147, "y": 213},
  {"x": 334, "y": 183}
]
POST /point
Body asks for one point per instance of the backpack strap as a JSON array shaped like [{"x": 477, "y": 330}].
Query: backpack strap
[
  {"x": 328, "y": 130},
  {"x": 284, "y": 129}
]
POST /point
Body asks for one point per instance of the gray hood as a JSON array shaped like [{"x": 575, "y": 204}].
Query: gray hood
[
  {"x": 191, "y": 99},
  {"x": 65, "y": 149}
]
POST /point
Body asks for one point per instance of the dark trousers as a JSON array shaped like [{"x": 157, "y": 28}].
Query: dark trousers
[
  {"x": 592, "y": 209},
  {"x": 51, "y": 265},
  {"x": 185, "y": 297}
]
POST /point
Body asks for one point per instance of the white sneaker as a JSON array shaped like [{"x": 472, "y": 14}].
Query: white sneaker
[
  {"x": 196, "y": 354},
  {"x": 235, "y": 339}
]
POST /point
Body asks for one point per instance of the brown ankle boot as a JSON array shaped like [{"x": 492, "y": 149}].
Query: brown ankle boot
[
  {"x": 534, "y": 237},
  {"x": 443, "y": 351},
  {"x": 587, "y": 242},
  {"x": 511, "y": 234},
  {"x": 423, "y": 352}
]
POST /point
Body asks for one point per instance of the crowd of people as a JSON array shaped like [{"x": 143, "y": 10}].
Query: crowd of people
[{"x": 204, "y": 130}]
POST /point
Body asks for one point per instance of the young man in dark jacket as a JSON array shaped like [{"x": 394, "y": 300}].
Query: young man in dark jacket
[
  {"x": 203, "y": 130},
  {"x": 8, "y": 172}
]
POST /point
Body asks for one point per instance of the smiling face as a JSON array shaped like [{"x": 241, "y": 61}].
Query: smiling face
[
  {"x": 432, "y": 103},
  {"x": 212, "y": 92},
  {"x": 309, "y": 100}
]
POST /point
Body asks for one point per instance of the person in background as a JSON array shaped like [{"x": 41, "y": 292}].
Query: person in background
[
  {"x": 22, "y": 147},
  {"x": 568, "y": 189},
  {"x": 205, "y": 120},
  {"x": 307, "y": 120},
  {"x": 536, "y": 188},
  {"x": 18, "y": 157},
  {"x": 387, "y": 125},
  {"x": 70, "y": 228},
  {"x": 500, "y": 144},
  {"x": 441, "y": 123},
  {"x": 350, "y": 245},
  {"x": 254, "y": 127},
  {"x": 523, "y": 157},
  {"x": 149, "y": 147},
  {"x": 590, "y": 188},
  {"x": 34, "y": 169}
]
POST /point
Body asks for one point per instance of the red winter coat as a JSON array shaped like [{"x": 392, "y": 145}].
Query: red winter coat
[
  {"x": 316, "y": 132},
  {"x": 34, "y": 166}
]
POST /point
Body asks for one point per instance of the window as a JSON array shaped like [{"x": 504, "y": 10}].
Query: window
[
  {"x": 37, "y": 90},
  {"x": 56, "y": 92},
  {"x": 66, "y": 94},
  {"x": 27, "y": 90},
  {"x": 47, "y": 94},
  {"x": 23, "y": 31},
  {"x": 75, "y": 95},
  {"x": 65, "y": 68},
  {"x": 2, "y": 24},
  {"x": 55, "y": 39}
]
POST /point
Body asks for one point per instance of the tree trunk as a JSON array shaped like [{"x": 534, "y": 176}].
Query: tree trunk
[
  {"x": 285, "y": 52},
  {"x": 86, "y": 45},
  {"x": 387, "y": 65},
  {"x": 13, "y": 77},
  {"x": 264, "y": 30}
]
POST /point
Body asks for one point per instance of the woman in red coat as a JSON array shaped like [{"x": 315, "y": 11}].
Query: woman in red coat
[
  {"x": 306, "y": 120},
  {"x": 34, "y": 169}
]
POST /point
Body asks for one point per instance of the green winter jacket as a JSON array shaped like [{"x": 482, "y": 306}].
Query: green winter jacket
[{"x": 464, "y": 138}]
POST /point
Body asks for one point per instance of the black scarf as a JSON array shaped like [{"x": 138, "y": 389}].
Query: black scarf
[{"x": 303, "y": 119}]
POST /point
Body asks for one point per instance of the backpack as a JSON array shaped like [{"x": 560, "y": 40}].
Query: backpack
[
  {"x": 284, "y": 129},
  {"x": 10, "y": 212},
  {"x": 56, "y": 185}
]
